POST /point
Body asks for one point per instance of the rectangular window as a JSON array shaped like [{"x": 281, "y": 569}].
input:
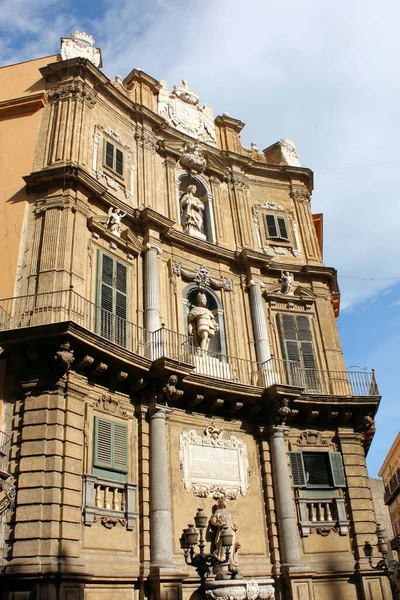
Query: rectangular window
[
  {"x": 276, "y": 228},
  {"x": 113, "y": 158},
  {"x": 317, "y": 469},
  {"x": 298, "y": 350},
  {"x": 110, "y": 449},
  {"x": 112, "y": 299}
]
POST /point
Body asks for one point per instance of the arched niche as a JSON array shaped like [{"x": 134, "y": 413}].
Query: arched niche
[
  {"x": 203, "y": 193},
  {"x": 218, "y": 342}
]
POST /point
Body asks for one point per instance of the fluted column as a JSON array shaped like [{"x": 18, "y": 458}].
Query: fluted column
[
  {"x": 286, "y": 518},
  {"x": 160, "y": 497},
  {"x": 151, "y": 288},
  {"x": 259, "y": 323}
]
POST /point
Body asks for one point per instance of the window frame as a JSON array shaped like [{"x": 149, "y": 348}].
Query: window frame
[
  {"x": 116, "y": 151},
  {"x": 115, "y": 434},
  {"x": 109, "y": 323},
  {"x": 280, "y": 225},
  {"x": 336, "y": 470}
]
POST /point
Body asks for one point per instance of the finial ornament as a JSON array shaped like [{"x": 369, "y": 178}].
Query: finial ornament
[{"x": 80, "y": 45}]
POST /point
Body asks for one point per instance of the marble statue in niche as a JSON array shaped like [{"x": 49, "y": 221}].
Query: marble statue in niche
[
  {"x": 115, "y": 216},
  {"x": 192, "y": 212},
  {"x": 202, "y": 324}
]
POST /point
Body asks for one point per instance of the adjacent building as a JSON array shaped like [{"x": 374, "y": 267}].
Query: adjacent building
[
  {"x": 169, "y": 342},
  {"x": 390, "y": 473}
]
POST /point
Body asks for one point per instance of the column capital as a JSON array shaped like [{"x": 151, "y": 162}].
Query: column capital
[
  {"x": 277, "y": 431},
  {"x": 159, "y": 411},
  {"x": 256, "y": 282},
  {"x": 150, "y": 246}
]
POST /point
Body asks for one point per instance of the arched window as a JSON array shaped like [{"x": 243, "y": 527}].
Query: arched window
[
  {"x": 217, "y": 343},
  {"x": 195, "y": 207}
]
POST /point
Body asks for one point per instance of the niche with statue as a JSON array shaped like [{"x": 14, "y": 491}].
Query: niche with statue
[{"x": 195, "y": 208}]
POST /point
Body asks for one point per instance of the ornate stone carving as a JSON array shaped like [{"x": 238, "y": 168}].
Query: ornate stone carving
[
  {"x": 313, "y": 438},
  {"x": 202, "y": 277},
  {"x": 287, "y": 283},
  {"x": 300, "y": 195},
  {"x": 239, "y": 590},
  {"x": 110, "y": 405},
  {"x": 64, "y": 357},
  {"x": 115, "y": 216},
  {"x": 110, "y": 522},
  {"x": 76, "y": 90},
  {"x": 80, "y": 44},
  {"x": 192, "y": 213},
  {"x": 202, "y": 325},
  {"x": 213, "y": 466},
  {"x": 7, "y": 495},
  {"x": 283, "y": 411},
  {"x": 193, "y": 158},
  {"x": 288, "y": 150},
  {"x": 181, "y": 109},
  {"x": 170, "y": 391}
]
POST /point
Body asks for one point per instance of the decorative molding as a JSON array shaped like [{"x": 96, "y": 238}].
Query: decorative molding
[
  {"x": 239, "y": 589},
  {"x": 313, "y": 438},
  {"x": 110, "y": 405},
  {"x": 213, "y": 466},
  {"x": 201, "y": 276}
]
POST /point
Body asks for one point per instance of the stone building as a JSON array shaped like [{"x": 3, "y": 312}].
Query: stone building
[
  {"x": 390, "y": 473},
  {"x": 169, "y": 342}
]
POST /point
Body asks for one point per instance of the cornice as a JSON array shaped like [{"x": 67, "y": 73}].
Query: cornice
[
  {"x": 22, "y": 105},
  {"x": 198, "y": 247}
]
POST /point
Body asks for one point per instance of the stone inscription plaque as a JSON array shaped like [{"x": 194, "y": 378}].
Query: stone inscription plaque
[{"x": 212, "y": 465}]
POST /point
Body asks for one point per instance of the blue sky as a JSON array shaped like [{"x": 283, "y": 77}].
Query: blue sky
[{"x": 324, "y": 74}]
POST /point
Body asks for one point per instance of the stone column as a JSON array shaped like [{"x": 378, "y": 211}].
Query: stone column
[
  {"x": 151, "y": 288},
  {"x": 160, "y": 497},
  {"x": 286, "y": 518},
  {"x": 259, "y": 322}
]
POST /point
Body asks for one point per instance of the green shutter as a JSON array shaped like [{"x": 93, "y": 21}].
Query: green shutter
[
  {"x": 283, "y": 234},
  {"x": 110, "y": 449},
  {"x": 109, "y": 155},
  {"x": 119, "y": 162},
  {"x": 298, "y": 471},
  {"x": 337, "y": 470},
  {"x": 272, "y": 229},
  {"x": 112, "y": 300}
]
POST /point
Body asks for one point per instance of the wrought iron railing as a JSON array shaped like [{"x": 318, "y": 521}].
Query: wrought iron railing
[
  {"x": 5, "y": 442},
  {"x": 67, "y": 305},
  {"x": 319, "y": 381}
]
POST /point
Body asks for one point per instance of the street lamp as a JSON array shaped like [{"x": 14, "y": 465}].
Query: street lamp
[
  {"x": 388, "y": 565},
  {"x": 203, "y": 562}
]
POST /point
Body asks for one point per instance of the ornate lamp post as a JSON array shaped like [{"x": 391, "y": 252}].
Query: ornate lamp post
[
  {"x": 387, "y": 565},
  {"x": 203, "y": 562}
]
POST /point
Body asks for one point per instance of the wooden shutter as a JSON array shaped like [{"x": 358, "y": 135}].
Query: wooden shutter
[
  {"x": 109, "y": 155},
  {"x": 119, "y": 162},
  {"x": 298, "y": 471},
  {"x": 337, "y": 470},
  {"x": 283, "y": 234},
  {"x": 112, "y": 299},
  {"x": 110, "y": 447},
  {"x": 272, "y": 229}
]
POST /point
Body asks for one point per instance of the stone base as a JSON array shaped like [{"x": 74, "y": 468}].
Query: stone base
[
  {"x": 195, "y": 233},
  {"x": 241, "y": 589}
]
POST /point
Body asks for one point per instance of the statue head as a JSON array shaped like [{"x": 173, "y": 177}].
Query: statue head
[
  {"x": 201, "y": 299},
  {"x": 191, "y": 189}
]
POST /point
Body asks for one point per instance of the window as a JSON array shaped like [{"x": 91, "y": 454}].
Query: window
[
  {"x": 113, "y": 158},
  {"x": 112, "y": 299},
  {"x": 317, "y": 469},
  {"x": 298, "y": 350},
  {"x": 110, "y": 449},
  {"x": 276, "y": 228}
]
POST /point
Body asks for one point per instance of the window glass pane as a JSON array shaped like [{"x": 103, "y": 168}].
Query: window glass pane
[
  {"x": 282, "y": 228},
  {"x": 316, "y": 465},
  {"x": 271, "y": 226}
]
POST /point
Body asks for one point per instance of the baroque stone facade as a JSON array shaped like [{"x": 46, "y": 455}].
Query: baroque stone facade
[{"x": 168, "y": 343}]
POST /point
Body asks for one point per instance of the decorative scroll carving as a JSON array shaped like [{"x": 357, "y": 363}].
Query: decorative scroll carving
[
  {"x": 201, "y": 276},
  {"x": 181, "y": 108},
  {"x": 110, "y": 405},
  {"x": 80, "y": 44},
  {"x": 300, "y": 195},
  {"x": 213, "y": 466},
  {"x": 110, "y": 522},
  {"x": 313, "y": 438}
]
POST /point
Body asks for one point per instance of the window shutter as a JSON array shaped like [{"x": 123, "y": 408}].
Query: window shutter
[
  {"x": 119, "y": 162},
  {"x": 112, "y": 299},
  {"x": 120, "y": 447},
  {"x": 287, "y": 329},
  {"x": 283, "y": 234},
  {"x": 109, "y": 155},
  {"x": 298, "y": 471},
  {"x": 271, "y": 226},
  {"x": 103, "y": 443},
  {"x": 337, "y": 470}
]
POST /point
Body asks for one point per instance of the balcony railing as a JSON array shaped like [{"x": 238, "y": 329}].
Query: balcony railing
[
  {"x": 67, "y": 305},
  {"x": 5, "y": 441},
  {"x": 319, "y": 381}
]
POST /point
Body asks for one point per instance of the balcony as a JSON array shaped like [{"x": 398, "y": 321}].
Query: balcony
[{"x": 67, "y": 305}]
